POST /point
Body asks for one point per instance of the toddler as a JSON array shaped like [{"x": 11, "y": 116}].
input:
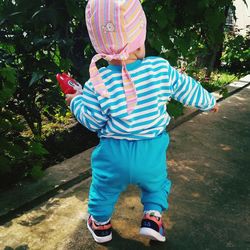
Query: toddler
[{"x": 125, "y": 103}]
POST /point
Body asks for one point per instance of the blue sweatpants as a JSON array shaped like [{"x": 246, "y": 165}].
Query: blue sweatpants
[{"x": 117, "y": 163}]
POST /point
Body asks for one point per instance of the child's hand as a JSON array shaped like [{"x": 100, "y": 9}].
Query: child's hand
[
  {"x": 69, "y": 97},
  {"x": 215, "y": 109}
]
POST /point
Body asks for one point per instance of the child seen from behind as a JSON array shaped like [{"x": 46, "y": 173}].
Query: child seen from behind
[{"x": 125, "y": 103}]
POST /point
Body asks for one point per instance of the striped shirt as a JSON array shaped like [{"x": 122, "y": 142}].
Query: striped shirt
[{"x": 156, "y": 82}]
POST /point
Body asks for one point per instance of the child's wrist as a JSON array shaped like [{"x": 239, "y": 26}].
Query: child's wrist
[{"x": 70, "y": 97}]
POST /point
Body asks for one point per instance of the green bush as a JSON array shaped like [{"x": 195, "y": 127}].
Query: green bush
[
  {"x": 38, "y": 40},
  {"x": 41, "y": 38},
  {"x": 19, "y": 155},
  {"x": 236, "y": 56}
]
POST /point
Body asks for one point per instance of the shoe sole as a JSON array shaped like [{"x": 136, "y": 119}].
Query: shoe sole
[
  {"x": 97, "y": 238},
  {"x": 152, "y": 234}
]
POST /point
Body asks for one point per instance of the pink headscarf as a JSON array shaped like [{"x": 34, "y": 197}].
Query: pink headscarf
[{"x": 116, "y": 28}]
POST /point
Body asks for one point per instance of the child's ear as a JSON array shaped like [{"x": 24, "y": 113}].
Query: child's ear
[{"x": 140, "y": 52}]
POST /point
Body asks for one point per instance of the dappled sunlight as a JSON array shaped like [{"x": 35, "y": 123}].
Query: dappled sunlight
[
  {"x": 216, "y": 95},
  {"x": 225, "y": 147},
  {"x": 200, "y": 178},
  {"x": 238, "y": 84},
  {"x": 176, "y": 165},
  {"x": 32, "y": 219},
  {"x": 172, "y": 163},
  {"x": 122, "y": 225},
  {"x": 53, "y": 178},
  {"x": 168, "y": 222},
  {"x": 186, "y": 170},
  {"x": 39, "y": 227},
  {"x": 240, "y": 98},
  {"x": 126, "y": 222},
  {"x": 195, "y": 195},
  {"x": 206, "y": 164},
  {"x": 223, "y": 173},
  {"x": 185, "y": 178},
  {"x": 131, "y": 202}
]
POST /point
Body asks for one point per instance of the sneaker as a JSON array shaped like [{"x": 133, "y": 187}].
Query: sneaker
[
  {"x": 152, "y": 226},
  {"x": 100, "y": 233}
]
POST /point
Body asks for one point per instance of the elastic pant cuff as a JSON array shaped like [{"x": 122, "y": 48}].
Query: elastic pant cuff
[{"x": 152, "y": 206}]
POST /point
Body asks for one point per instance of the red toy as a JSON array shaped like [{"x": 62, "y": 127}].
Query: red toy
[{"x": 68, "y": 84}]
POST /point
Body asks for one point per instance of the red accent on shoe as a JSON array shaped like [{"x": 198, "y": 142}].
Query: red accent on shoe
[
  {"x": 98, "y": 227},
  {"x": 153, "y": 218}
]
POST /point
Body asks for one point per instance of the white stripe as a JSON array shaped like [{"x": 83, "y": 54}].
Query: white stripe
[
  {"x": 96, "y": 119},
  {"x": 113, "y": 129},
  {"x": 137, "y": 85},
  {"x": 201, "y": 99},
  {"x": 76, "y": 110},
  {"x": 181, "y": 88},
  {"x": 138, "y": 127},
  {"x": 188, "y": 92},
  {"x": 148, "y": 74},
  {"x": 196, "y": 95},
  {"x": 121, "y": 97},
  {"x": 152, "y": 117},
  {"x": 132, "y": 120},
  {"x": 87, "y": 104},
  {"x": 90, "y": 119},
  {"x": 82, "y": 118},
  {"x": 141, "y": 106}
]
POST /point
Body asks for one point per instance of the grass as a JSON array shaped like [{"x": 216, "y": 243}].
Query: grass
[{"x": 217, "y": 81}]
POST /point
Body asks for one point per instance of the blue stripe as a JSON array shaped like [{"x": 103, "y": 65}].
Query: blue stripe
[{"x": 100, "y": 112}]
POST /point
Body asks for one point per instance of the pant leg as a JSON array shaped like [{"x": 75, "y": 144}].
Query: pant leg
[
  {"x": 155, "y": 195},
  {"x": 109, "y": 179},
  {"x": 152, "y": 173}
]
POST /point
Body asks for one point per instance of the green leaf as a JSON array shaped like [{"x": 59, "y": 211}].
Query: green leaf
[
  {"x": 4, "y": 124},
  {"x": 36, "y": 76},
  {"x": 15, "y": 151},
  {"x": 16, "y": 13},
  {"x": 36, "y": 148},
  {"x": 5, "y": 95},
  {"x": 37, "y": 172},
  {"x": 5, "y": 144},
  {"x": 154, "y": 42},
  {"x": 162, "y": 20},
  {"x": 74, "y": 9},
  {"x": 9, "y": 74},
  {"x": 2, "y": 21},
  {"x": 5, "y": 166},
  {"x": 175, "y": 109},
  {"x": 9, "y": 84},
  {"x": 65, "y": 64},
  {"x": 36, "y": 13}
]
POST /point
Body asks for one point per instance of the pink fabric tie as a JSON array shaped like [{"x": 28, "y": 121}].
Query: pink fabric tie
[
  {"x": 128, "y": 83},
  {"x": 129, "y": 89},
  {"x": 116, "y": 29}
]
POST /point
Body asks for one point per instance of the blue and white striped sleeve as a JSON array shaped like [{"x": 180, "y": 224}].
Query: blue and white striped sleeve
[
  {"x": 189, "y": 92},
  {"x": 87, "y": 110}
]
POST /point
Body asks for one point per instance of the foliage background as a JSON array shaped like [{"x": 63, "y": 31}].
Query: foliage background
[{"x": 43, "y": 37}]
